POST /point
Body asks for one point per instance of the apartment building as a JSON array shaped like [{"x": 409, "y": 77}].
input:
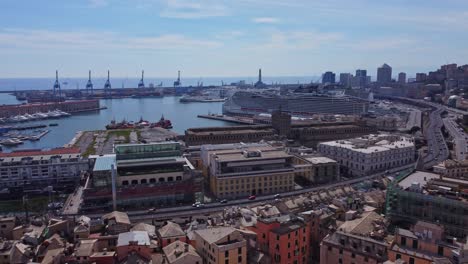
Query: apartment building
[
  {"x": 430, "y": 197},
  {"x": 453, "y": 169},
  {"x": 357, "y": 241},
  {"x": 60, "y": 168},
  {"x": 426, "y": 243},
  {"x": 284, "y": 242},
  {"x": 221, "y": 245}
]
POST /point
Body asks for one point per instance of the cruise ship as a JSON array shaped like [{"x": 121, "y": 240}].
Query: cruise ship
[{"x": 246, "y": 103}]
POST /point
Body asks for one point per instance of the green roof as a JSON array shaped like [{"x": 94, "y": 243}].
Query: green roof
[{"x": 104, "y": 163}]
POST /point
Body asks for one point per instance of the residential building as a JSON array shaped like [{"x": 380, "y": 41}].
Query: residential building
[
  {"x": 426, "y": 243},
  {"x": 284, "y": 242},
  {"x": 369, "y": 154},
  {"x": 60, "y": 168},
  {"x": 169, "y": 233},
  {"x": 7, "y": 224},
  {"x": 357, "y": 241},
  {"x": 316, "y": 170},
  {"x": 402, "y": 78},
  {"x": 328, "y": 77},
  {"x": 243, "y": 170},
  {"x": 384, "y": 74},
  {"x": 421, "y": 77},
  {"x": 117, "y": 222},
  {"x": 179, "y": 252},
  {"x": 361, "y": 78},
  {"x": 320, "y": 222},
  {"x": 453, "y": 169},
  {"x": 345, "y": 79},
  {"x": 431, "y": 198},
  {"x": 134, "y": 245},
  {"x": 221, "y": 245},
  {"x": 147, "y": 175}
]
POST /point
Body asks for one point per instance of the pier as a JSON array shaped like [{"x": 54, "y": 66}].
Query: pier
[{"x": 237, "y": 120}]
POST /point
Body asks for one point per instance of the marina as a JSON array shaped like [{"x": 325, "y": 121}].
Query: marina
[{"x": 182, "y": 117}]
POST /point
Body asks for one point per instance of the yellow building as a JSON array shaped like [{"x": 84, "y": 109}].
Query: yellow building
[{"x": 240, "y": 170}]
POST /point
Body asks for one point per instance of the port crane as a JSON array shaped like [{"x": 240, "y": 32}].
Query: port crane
[
  {"x": 141, "y": 84},
  {"x": 107, "y": 86},
  {"x": 89, "y": 85}
]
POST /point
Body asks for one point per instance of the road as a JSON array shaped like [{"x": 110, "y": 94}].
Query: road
[
  {"x": 215, "y": 207},
  {"x": 437, "y": 147}
]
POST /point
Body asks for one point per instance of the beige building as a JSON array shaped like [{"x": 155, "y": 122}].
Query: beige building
[
  {"x": 222, "y": 245},
  {"x": 7, "y": 224},
  {"x": 179, "y": 252},
  {"x": 453, "y": 169},
  {"x": 240, "y": 170},
  {"x": 316, "y": 169}
]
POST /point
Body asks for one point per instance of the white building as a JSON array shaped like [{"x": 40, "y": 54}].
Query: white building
[
  {"x": 35, "y": 169},
  {"x": 368, "y": 154}
]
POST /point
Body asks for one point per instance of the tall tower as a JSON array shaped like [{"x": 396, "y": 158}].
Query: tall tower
[
  {"x": 107, "y": 86},
  {"x": 57, "y": 90},
  {"x": 259, "y": 83},
  {"x": 89, "y": 85},
  {"x": 177, "y": 82},
  {"x": 141, "y": 84}
]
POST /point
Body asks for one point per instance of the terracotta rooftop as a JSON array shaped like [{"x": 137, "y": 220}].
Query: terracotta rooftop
[
  {"x": 171, "y": 229},
  {"x": 35, "y": 152}
]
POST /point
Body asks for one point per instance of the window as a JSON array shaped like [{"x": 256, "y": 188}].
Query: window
[
  {"x": 226, "y": 254},
  {"x": 353, "y": 255},
  {"x": 415, "y": 244},
  {"x": 239, "y": 259},
  {"x": 340, "y": 261},
  {"x": 403, "y": 241},
  {"x": 341, "y": 251},
  {"x": 411, "y": 260},
  {"x": 440, "y": 251},
  {"x": 329, "y": 248},
  {"x": 398, "y": 256},
  {"x": 239, "y": 251}
]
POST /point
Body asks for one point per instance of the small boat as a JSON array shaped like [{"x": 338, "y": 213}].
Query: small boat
[
  {"x": 11, "y": 142},
  {"x": 53, "y": 124}
]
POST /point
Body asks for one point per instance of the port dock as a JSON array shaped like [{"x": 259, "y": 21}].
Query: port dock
[{"x": 237, "y": 120}]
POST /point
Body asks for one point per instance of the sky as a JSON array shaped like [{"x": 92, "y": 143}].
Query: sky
[{"x": 205, "y": 38}]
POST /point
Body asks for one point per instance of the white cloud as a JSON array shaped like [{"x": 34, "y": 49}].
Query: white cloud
[
  {"x": 300, "y": 40},
  {"x": 189, "y": 9},
  {"x": 265, "y": 20},
  {"x": 23, "y": 39}
]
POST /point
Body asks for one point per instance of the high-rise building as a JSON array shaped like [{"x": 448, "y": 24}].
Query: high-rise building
[
  {"x": 421, "y": 77},
  {"x": 345, "y": 79},
  {"x": 361, "y": 76},
  {"x": 402, "y": 78},
  {"x": 328, "y": 77},
  {"x": 384, "y": 74}
]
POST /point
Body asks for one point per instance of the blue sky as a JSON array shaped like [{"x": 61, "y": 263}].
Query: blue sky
[{"x": 228, "y": 37}]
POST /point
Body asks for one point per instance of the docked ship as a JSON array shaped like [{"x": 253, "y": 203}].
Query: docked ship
[
  {"x": 246, "y": 103},
  {"x": 201, "y": 99}
]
